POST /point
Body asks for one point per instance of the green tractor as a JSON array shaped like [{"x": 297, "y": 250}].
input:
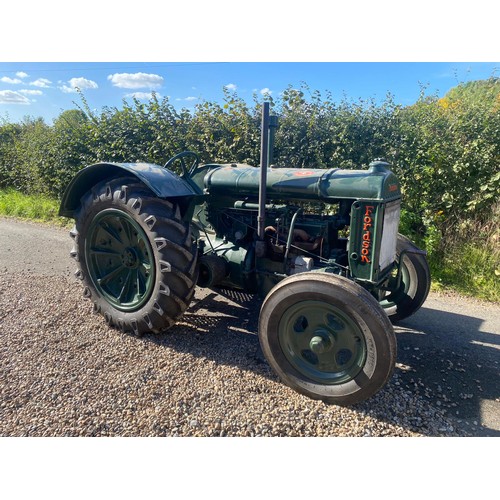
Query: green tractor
[{"x": 320, "y": 247}]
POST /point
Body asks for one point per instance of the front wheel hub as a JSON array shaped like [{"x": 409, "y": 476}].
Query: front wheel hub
[{"x": 321, "y": 342}]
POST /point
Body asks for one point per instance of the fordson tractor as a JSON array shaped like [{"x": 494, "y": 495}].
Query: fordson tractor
[{"x": 319, "y": 246}]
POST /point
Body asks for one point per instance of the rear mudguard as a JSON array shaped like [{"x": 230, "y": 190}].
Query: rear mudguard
[{"x": 162, "y": 182}]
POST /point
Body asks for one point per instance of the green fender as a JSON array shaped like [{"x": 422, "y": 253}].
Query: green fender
[{"x": 162, "y": 182}]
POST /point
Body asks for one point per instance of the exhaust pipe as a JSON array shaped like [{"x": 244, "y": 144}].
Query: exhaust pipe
[{"x": 264, "y": 158}]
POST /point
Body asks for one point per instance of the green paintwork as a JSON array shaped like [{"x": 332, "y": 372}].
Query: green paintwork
[
  {"x": 359, "y": 269},
  {"x": 239, "y": 261},
  {"x": 303, "y": 184},
  {"x": 162, "y": 182},
  {"x": 120, "y": 260},
  {"x": 237, "y": 185},
  {"x": 322, "y": 342}
]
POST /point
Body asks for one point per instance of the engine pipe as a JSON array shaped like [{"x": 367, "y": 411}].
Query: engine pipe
[{"x": 290, "y": 238}]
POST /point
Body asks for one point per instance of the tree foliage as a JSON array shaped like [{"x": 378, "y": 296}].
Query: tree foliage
[{"x": 446, "y": 151}]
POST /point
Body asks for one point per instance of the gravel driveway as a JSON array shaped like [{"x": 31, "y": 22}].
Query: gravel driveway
[{"x": 65, "y": 373}]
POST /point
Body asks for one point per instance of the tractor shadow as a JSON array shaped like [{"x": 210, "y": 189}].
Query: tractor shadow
[
  {"x": 453, "y": 363},
  {"x": 220, "y": 325},
  {"x": 443, "y": 357}
]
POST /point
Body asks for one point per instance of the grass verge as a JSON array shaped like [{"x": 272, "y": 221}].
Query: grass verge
[
  {"x": 470, "y": 268},
  {"x": 38, "y": 208}
]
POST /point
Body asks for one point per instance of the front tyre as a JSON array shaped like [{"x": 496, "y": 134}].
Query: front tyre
[
  {"x": 327, "y": 338},
  {"x": 408, "y": 297},
  {"x": 135, "y": 256}
]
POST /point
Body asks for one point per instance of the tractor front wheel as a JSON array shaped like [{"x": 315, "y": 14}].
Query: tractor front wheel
[{"x": 327, "y": 338}]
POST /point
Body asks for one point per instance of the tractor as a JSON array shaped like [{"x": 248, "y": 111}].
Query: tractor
[{"x": 319, "y": 246}]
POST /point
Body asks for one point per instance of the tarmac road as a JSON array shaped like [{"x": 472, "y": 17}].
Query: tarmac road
[{"x": 448, "y": 352}]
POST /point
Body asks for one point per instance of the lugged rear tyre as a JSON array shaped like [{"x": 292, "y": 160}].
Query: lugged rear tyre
[{"x": 136, "y": 257}]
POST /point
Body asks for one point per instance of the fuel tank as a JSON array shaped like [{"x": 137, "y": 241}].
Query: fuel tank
[{"x": 326, "y": 185}]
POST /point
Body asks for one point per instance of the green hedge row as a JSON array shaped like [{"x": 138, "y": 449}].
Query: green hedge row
[{"x": 446, "y": 151}]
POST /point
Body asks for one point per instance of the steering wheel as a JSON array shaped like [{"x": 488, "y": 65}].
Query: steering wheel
[{"x": 181, "y": 156}]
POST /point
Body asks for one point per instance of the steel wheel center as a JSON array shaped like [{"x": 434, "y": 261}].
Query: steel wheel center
[
  {"x": 129, "y": 258},
  {"x": 321, "y": 342},
  {"x": 120, "y": 259}
]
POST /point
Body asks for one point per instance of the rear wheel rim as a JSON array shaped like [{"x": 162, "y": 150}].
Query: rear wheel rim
[
  {"x": 120, "y": 260},
  {"x": 322, "y": 342}
]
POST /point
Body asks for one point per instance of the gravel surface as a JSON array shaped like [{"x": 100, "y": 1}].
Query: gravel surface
[{"x": 65, "y": 373}]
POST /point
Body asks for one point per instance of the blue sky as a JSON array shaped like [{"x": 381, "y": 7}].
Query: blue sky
[
  {"x": 46, "y": 89},
  {"x": 361, "y": 50}
]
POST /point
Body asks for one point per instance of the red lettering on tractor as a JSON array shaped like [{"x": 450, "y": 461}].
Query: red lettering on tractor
[{"x": 367, "y": 235}]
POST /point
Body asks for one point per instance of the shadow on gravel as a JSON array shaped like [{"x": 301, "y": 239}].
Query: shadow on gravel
[
  {"x": 448, "y": 360},
  {"x": 220, "y": 325},
  {"x": 453, "y": 376}
]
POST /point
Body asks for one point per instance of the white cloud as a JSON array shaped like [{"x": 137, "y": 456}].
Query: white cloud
[
  {"x": 31, "y": 92},
  {"x": 22, "y": 74},
  {"x": 143, "y": 96},
  {"x": 6, "y": 79},
  {"x": 231, "y": 86},
  {"x": 266, "y": 91},
  {"x": 190, "y": 98},
  {"x": 11, "y": 97},
  {"x": 136, "y": 80},
  {"x": 81, "y": 83},
  {"x": 42, "y": 83}
]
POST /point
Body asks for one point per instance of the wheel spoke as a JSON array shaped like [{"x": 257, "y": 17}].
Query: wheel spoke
[
  {"x": 141, "y": 282},
  {"x": 347, "y": 341},
  {"x": 327, "y": 361},
  {"x": 111, "y": 231},
  {"x": 126, "y": 287},
  {"x": 302, "y": 340},
  {"x": 103, "y": 251},
  {"x": 112, "y": 274},
  {"x": 127, "y": 229}
]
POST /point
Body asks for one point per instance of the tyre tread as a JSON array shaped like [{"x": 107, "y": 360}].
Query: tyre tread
[{"x": 161, "y": 221}]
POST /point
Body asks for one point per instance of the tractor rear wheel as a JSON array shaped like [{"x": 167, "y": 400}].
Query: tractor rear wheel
[
  {"x": 327, "y": 338},
  {"x": 415, "y": 283},
  {"x": 135, "y": 256}
]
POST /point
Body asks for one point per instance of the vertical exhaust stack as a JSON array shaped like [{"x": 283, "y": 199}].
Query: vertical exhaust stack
[
  {"x": 264, "y": 159},
  {"x": 273, "y": 125}
]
